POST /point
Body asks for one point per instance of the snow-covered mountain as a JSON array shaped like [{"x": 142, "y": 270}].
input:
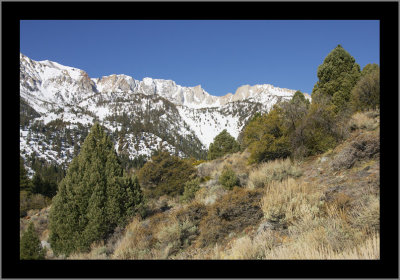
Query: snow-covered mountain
[{"x": 59, "y": 103}]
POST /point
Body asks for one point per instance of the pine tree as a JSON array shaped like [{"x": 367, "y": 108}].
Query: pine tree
[
  {"x": 92, "y": 198},
  {"x": 223, "y": 144},
  {"x": 337, "y": 75},
  {"x": 30, "y": 247}
]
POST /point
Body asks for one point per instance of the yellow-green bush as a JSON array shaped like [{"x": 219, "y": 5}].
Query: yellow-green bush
[{"x": 190, "y": 189}]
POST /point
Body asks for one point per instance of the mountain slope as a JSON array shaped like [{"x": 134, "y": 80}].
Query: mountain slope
[{"x": 59, "y": 104}]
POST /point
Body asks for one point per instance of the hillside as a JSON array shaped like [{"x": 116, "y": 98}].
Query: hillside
[{"x": 322, "y": 207}]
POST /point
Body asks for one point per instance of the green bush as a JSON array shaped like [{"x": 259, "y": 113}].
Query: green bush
[
  {"x": 228, "y": 178},
  {"x": 223, "y": 144},
  {"x": 165, "y": 175},
  {"x": 365, "y": 94},
  {"x": 266, "y": 137},
  {"x": 30, "y": 247},
  {"x": 190, "y": 189}
]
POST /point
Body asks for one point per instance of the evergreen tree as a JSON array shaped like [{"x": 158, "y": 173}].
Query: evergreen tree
[
  {"x": 93, "y": 198},
  {"x": 337, "y": 75},
  {"x": 366, "y": 93},
  {"x": 30, "y": 247},
  {"x": 223, "y": 144},
  {"x": 299, "y": 98},
  {"x": 369, "y": 68}
]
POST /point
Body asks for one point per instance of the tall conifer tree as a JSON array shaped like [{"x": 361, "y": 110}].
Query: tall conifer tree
[
  {"x": 92, "y": 198},
  {"x": 337, "y": 75}
]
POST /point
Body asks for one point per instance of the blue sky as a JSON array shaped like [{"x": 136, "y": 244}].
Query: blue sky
[{"x": 219, "y": 55}]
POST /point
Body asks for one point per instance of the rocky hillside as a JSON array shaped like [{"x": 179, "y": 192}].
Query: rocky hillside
[{"x": 322, "y": 207}]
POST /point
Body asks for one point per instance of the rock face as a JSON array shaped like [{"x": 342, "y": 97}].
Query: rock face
[{"x": 151, "y": 112}]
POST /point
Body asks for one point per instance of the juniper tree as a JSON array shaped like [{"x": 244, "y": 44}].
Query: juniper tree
[
  {"x": 93, "y": 198},
  {"x": 223, "y": 144},
  {"x": 30, "y": 248},
  {"x": 337, "y": 75}
]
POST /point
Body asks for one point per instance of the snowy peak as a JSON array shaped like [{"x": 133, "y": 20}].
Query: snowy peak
[
  {"x": 51, "y": 78},
  {"x": 149, "y": 111}
]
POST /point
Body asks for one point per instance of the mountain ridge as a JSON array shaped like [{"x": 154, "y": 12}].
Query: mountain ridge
[
  {"x": 193, "y": 97},
  {"x": 145, "y": 114}
]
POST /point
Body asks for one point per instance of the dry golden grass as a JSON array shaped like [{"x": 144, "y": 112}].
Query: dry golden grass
[
  {"x": 289, "y": 200},
  {"x": 97, "y": 252},
  {"x": 137, "y": 241},
  {"x": 276, "y": 170},
  {"x": 209, "y": 196},
  {"x": 162, "y": 235},
  {"x": 238, "y": 162},
  {"x": 310, "y": 221},
  {"x": 367, "y": 250},
  {"x": 364, "y": 120}
]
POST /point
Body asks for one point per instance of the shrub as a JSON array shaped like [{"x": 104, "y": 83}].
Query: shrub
[
  {"x": 228, "y": 178},
  {"x": 362, "y": 147},
  {"x": 365, "y": 94},
  {"x": 29, "y": 201},
  {"x": 266, "y": 137},
  {"x": 161, "y": 235},
  {"x": 30, "y": 247},
  {"x": 364, "y": 120},
  {"x": 322, "y": 129},
  {"x": 211, "y": 192},
  {"x": 230, "y": 214},
  {"x": 287, "y": 201},
  {"x": 190, "y": 189},
  {"x": 182, "y": 229},
  {"x": 165, "y": 175},
  {"x": 276, "y": 170}
]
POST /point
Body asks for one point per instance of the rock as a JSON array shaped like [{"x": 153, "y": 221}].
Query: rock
[
  {"x": 45, "y": 244},
  {"x": 265, "y": 226},
  {"x": 323, "y": 159}
]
